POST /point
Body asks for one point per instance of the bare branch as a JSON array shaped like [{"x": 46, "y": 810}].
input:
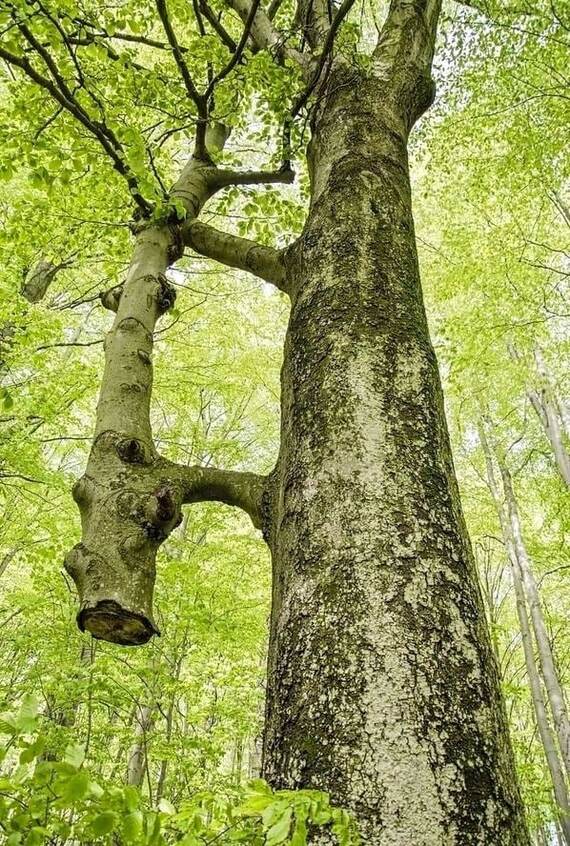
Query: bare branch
[
  {"x": 216, "y": 25},
  {"x": 208, "y": 484},
  {"x": 199, "y": 100},
  {"x": 241, "y": 253},
  {"x": 266, "y": 36},
  {"x": 324, "y": 56},
  {"x": 223, "y": 178}
]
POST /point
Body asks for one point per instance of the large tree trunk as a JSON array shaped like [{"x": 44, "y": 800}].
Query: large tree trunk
[{"x": 382, "y": 685}]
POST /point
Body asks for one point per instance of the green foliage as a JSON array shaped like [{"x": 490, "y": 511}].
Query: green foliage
[{"x": 51, "y": 801}]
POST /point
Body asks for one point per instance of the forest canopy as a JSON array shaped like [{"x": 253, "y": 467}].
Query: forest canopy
[{"x": 106, "y": 110}]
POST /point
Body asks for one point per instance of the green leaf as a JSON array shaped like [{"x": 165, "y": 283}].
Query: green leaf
[
  {"x": 32, "y": 750},
  {"x": 279, "y": 831},
  {"x": 104, "y": 823},
  {"x": 27, "y": 715},
  {"x": 166, "y": 807},
  {"x": 132, "y": 827},
  {"x": 74, "y": 755},
  {"x": 77, "y": 787}
]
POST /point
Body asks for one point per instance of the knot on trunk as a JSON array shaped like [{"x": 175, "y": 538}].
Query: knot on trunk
[
  {"x": 176, "y": 248},
  {"x": 131, "y": 451},
  {"x": 166, "y": 295},
  {"x": 110, "y": 299}
]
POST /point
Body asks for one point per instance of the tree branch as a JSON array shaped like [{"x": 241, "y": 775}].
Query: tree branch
[
  {"x": 223, "y": 178},
  {"x": 237, "y": 53},
  {"x": 232, "y": 487},
  {"x": 325, "y": 53},
  {"x": 404, "y": 53},
  {"x": 225, "y": 37},
  {"x": 266, "y": 36},
  {"x": 199, "y": 100},
  {"x": 233, "y": 251},
  {"x": 98, "y": 129}
]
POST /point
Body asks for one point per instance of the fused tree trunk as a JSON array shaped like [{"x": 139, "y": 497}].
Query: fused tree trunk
[
  {"x": 382, "y": 685},
  {"x": 130, "y": 497}
]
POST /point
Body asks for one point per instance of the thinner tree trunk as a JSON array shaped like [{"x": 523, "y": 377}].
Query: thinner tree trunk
[
  {"x": 546, "y": 737},
  {"x": 510, "y": 533},
  {"x": 548, "y": 667},
  {"x": 549, "y": 413},
  {"x": 382, "y": 685},
  {"x": 136, "y": 766}
]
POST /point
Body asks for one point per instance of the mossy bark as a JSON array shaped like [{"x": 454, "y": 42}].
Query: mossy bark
[{"x": 382, "y": 684}]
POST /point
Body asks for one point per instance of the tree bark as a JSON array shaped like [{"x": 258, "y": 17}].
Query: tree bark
[
  {"x": 382, "y": 686},
  {"x": 130, "y": 498},
  {"x": 546, "y": 737},
  {"x": 549, "y": 413}
]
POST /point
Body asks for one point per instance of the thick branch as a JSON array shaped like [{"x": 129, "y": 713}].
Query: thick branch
[
  {"x": 241, "y": 253},
  {"x": 404, "y": 54},
  {"x": 232, "y": 487}
]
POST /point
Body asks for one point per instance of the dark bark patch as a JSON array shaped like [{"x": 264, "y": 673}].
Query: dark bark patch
[
  {"x": 107, "y": 620},
  {"x": 131, "y": 451}
]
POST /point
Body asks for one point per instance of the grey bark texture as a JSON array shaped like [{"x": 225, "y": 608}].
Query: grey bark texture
[
  {"x": 549, "y": 413},
  {"x": 547, "y": 663},
  {"x": 382, "y": 686},
  {"x": 136, "y": 765}
]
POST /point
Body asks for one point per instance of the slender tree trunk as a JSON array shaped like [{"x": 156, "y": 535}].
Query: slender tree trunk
[
  {"x": 382, "y": 685},
  {"x": 549, "y": 413},
  {"x": 546, "y": 737},
  {"x": 513, "y": 548},
  {"x": 136, "y": 766},
  {"x": 548, "y": 667}
]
